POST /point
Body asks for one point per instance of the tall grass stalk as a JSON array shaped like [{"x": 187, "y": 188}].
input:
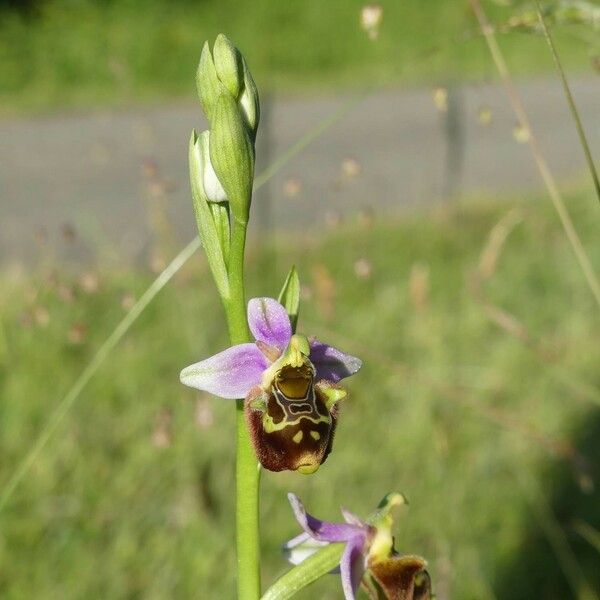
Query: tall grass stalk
[
  {"x": 590, "y": 534},
  {"x": 571, "y": 101},
  {"x": 90, "y": 370},
  {"x": 545, "y": 172}
]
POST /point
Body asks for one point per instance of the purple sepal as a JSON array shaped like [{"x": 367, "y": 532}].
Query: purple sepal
[
  {"x": 298, "y": 549},
  {"x": 351, "y": 518},
  {"x": 300, "y": 539},
  {"x": 354, "y": 533},
  {"x": 229, "y": 374},
  {"x": 332, "y": 364},
  {"x": 352, "y": 566},
  {"x": 323, "y": 530},
  {"x": 269, "y": 322}
]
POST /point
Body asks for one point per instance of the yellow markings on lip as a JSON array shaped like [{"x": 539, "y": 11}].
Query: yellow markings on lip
[
  {"x": 269, "y": 426},
  {"x": 308, "y": 469},
  {"x": 315, "y": 435},
  {"x": 298, "y": 437},
  {"x": 332, "y": 394}
]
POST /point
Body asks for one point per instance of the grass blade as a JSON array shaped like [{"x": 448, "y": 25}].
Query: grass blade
[
  {"x": 588, "y": 533},
  {"x": 90, "y": 370},
  {"x": 556, "y": 537},
  {"x": 571, "y": 101},
  {"x": 538, "y": 156}
]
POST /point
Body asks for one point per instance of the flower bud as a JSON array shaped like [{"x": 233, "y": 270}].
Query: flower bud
[
  {"x": 208, "y": 83},
  {"x": 249, "y": 101},
  {"x": 212, "y": 186},
  {"x": 228, "y": 65},
  {"x": 232, "y": 155},
  {"x": 213, "y": 225},
  {"x": 289, "y": 296},
  {"x": 227, "y": 73}
]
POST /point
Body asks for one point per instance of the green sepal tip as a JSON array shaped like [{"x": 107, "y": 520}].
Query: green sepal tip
[{"x": 289, "y": 296}]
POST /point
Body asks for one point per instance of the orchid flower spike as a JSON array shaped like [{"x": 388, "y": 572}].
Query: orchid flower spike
[
  {"x": 369, "y": 556},
  {"x": 290, "y": 387}
]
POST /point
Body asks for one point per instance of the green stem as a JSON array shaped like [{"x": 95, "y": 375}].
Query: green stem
[
  {"x": 247, "y": 468},
  {"x": 235, "y": 305},
  {"x": 307, "y": 572}
]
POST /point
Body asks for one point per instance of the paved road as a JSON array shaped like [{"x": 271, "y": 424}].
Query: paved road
[{"x": 394, "y": 148}]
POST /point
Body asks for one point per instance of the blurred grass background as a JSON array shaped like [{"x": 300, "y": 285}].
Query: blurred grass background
[
  {"x": 479, "y": 396},
  {"x": 478, "y": 399},
  {"x": 56, "y": 54}
]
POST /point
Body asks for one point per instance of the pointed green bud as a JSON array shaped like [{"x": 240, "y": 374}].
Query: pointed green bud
[
  {"x": 228, "y": 65},
  {"x": 224, "y": 71},
  {"x": 214, "y": 240},
  {"x": 232, "y": 155},
  {"x": 214, "y": 193},
  {"x": 249, "y": 101},
  {"x": 210, "y": 182},
  {"x": 289, "y": 296},
  {"x": 207, "y": 82}
]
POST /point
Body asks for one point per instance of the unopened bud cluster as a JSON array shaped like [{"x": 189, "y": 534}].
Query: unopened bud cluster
[{"x": 222, "y": 157}]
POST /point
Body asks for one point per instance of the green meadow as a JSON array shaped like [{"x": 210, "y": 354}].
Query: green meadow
[
  {"x": 63, "y": 54},
  {"x": 478, "y": 400},
  {"x": 479, "y": 396}
]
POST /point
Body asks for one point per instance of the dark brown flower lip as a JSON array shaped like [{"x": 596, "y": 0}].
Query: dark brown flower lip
[{"x": 402, "y": 577}]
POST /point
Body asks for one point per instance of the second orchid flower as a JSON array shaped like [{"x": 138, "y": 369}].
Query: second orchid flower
[{"x": 369, "y": 557}]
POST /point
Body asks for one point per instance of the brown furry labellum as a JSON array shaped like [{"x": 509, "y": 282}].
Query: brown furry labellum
[
  {"x": 292, "y": 424},
  {"x": 402, "y": 578}
]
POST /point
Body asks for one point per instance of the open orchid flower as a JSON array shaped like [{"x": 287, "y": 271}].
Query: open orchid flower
[
  {"x": 290, "y": 387},
  {"x": 368, "y": 557}
]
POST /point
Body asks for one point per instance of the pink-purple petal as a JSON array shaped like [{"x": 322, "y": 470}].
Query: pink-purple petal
[
  {"x": 229, "y": 374},
  {"x": 351, "y": 518},
  {"x": 301, "y": 538},
  {"x": 332, "y": 364},
  {"x": 301, "y": 547},
  {"x": 269, "y": 322},
  {"x": 352, "y": 567},
  {"x": 324, "y": 530}
]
